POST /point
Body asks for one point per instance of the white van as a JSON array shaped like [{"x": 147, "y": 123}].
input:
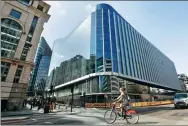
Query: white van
[{"x": 181, "y": 100}]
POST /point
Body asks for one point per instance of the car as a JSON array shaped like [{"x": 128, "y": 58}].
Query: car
[{"x": 181, "y": 100}]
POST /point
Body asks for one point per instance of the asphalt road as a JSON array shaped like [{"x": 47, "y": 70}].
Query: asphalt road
[{"x": 148, "y": 115}]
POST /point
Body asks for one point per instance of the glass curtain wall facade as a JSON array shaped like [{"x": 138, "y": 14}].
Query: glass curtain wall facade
[
  {"x": 40, "y": 72},
  {"x": 105, "y": 53}
]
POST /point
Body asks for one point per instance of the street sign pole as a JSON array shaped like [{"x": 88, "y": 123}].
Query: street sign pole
[{"x": 72, "y": 91}]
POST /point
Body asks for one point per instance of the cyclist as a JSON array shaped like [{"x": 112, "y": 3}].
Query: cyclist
[{"x": 122, "y": 99}]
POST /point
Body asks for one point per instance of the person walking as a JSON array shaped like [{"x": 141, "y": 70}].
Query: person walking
[{"x": 31, "y": 104}]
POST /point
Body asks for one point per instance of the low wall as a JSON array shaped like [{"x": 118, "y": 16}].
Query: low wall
[{"x": 136, "y": 104}]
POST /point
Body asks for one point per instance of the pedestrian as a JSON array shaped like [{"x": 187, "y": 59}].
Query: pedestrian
[
  {"x": 38, "y": 104},
  {"x": 23, "y": 105},
  {"x": 31, "y": 104},
  {"x": 25, "y": 102}
]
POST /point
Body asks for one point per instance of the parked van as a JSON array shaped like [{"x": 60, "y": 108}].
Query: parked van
[{"x": 181, "y": 100}]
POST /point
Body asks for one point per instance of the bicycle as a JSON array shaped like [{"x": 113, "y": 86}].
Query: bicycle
[{"x": 129, "y": 114}]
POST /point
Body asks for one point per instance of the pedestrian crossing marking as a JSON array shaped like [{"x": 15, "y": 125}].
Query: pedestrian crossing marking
[{"x": 48, "y": 122}]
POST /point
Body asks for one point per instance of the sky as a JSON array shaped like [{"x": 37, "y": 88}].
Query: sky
[{"x": 163, "y": 23}]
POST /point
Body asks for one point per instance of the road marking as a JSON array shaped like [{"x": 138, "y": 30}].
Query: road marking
[
  {"x": 34, "y": 119},
  {"x": 48, "y": 122}
]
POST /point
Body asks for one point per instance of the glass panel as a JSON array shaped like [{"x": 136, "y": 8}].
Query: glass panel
[
  {"x": 136, "y": 68},
  {"x": 4, "y": 70},
  {"x": 29, "y": 38},
  {"x": 118, "y": 44},
  {"x": 33, "y": 25},
  {"x": 25, "y": 2},
  {"x": 15, "y": 14},
  {"x": 11, "y": 38},
  {"x": 123, "y": 64},
  {"x": 99, "y": 46},
  {"x": 113, "y": 41},
  {"x": 71, "y": 55},
  {"x": 93, "y": 43},
  {"x": 127, "y": 29}
]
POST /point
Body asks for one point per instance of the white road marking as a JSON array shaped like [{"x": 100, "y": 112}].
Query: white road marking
[
  {"x": 34, "y": 119},
  {"x": 48, "y": 122}
]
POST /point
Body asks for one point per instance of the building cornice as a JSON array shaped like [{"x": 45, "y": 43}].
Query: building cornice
[{"x": 17, "y": 61}]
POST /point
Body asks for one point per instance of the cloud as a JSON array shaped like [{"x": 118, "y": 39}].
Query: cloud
[
  {"x": 57, "y": 8},
  {"x": 57, "y": 55},
  {"x": 89, "y": 8},
  {"x": 54, "y": 3}
]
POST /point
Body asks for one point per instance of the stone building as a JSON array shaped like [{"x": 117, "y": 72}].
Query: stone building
[{"x": 22, "y": 23}]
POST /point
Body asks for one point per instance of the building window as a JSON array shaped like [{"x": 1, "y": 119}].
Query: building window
[
  {"x": 8, "y": 46},
  {"x": 25, "y": 2},
  {"x": 7, "y": 53},
  {"x": 40, "y": 8},
  {"x": 18, "y": 74},
  {"x": 29, "y": 38},
  {"x": 15, "y": 14},
  {"x": 34, "y": 22},
  {"x": 10, "y": 36},
  {"x": 4, "y": 70},
  {"x": 33, "y": 25},
  {"x": 25, "y": 51}
]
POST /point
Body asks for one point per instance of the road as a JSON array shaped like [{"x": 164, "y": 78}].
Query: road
[{"x": 149, "y": 115}]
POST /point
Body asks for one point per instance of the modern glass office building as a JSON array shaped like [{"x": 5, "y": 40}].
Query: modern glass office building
[
  {"x": 40, "y": 72},
  {"x": 105, "y": 53}
]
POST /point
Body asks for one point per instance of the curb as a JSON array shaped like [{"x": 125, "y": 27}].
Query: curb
[
  {"x": 4, "y": 121},
  {"x": 69, "y": 113},
  {"x": 16, "y": 115}
]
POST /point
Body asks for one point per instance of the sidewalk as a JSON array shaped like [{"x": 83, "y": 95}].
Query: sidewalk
[
  {"x": 15, "y": 116},
  {"x": 62, "y": 109}
]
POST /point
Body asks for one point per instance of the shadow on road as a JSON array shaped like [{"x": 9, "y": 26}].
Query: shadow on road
[
  {"x": 183, "y": 108},
  {"x": 148, "y": 122},
  {"x": 148, "y": 110},
  {"x": 91, "y": 116},
  {"x": 69, "y": 122}
]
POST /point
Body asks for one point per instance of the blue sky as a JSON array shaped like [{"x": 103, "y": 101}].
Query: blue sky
[{"x": 164, "y": 24}]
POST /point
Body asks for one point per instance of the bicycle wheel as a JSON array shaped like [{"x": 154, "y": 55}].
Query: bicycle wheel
[
  {"x": 110, "y": 116},
  {"x": 131, "y": 116}
]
